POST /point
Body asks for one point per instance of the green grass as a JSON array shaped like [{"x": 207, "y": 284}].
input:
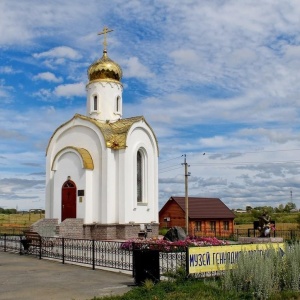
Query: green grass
[
  {"x": 273, "y": 275},
  {"x": 16, "y": 223},
  {"x": 284, "y": 217},
  {"x": 192, "y": 289},
  {"x": 15, "y": 220},
  {"x": 174, "y": 290}
]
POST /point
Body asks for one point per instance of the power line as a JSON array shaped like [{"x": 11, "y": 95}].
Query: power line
[
  {"x": 175, "y": 167},
  {"x": 250, "y": 152},
  {"x": 244, "y": 163},
  {"x": 168, "y": 167},
  {"x": 162, "y": 162},
  {"x": 170, "y": 170},
  {"x": 232, "y": 153},
  {"x": 214, "y": 164}
]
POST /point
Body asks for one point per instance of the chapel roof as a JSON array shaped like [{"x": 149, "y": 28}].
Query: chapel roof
[
  {"x": 114, "y": 133},
  {"x": 104, "y": 69}
]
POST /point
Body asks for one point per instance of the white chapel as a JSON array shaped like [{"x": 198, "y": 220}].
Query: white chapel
[{"x": 101, "y": 169}]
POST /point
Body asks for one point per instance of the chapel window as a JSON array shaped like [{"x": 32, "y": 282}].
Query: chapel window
[
  {"x": 139, "y": 177},
  {"x": 69, "y": 184},
  {"x": 118, "y": 103},
  {"x": 95, "y": 103}
]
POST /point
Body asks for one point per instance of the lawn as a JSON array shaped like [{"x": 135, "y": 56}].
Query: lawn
[
  {"x": 208, "y": 289},
  {"x": 279, "y": 226},
  {"x": 19, "y": 220}
]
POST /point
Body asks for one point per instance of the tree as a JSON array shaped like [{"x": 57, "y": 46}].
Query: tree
[
  {"x": 280, "y": 208},
  {"x": 289, "y": 206},
  {"x": 249, "y": 208}
]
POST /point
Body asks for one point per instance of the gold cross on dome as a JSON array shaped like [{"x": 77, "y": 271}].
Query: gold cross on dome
[{"x": 105, "y": 32}]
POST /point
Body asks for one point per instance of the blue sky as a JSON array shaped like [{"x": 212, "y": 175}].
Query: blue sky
[{"x": 214, "y": 77}]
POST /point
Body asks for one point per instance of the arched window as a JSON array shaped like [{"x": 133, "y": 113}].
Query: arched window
[
  {"x": 139, "y": 176},
  {"x": 118, "y": 100},
  {"x": 69, "y": 184},
  {"x": 95, "y": 103}
]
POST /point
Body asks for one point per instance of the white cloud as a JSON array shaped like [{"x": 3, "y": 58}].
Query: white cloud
[
  {"x": 70, "y": 90},
  {"x": 48, "y": 21},
  {"x": 219, "y": 76},
  {"x": 44, "y": 94},
  {"x": 280, "y": 136},
  {"x": 6, "y": 134},
  {"x": 59, "y": 53},
  {"x": 5, "y": 92},
  {"x": 185, "y": 57},
  {"x": 65, "y": 90},
  {"x": 134, "y": 68},
  {"x": 48, "y": 76},
  {"x": 7, "y": 70}
]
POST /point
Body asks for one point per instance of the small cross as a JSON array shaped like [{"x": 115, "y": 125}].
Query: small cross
[{"x": 105, "y": 31}]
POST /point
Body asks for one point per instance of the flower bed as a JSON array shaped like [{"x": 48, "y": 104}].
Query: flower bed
[{"x": 167, "y": 246}]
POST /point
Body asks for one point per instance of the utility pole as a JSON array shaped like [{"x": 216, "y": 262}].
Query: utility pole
[{"x": 186, "y": 174}]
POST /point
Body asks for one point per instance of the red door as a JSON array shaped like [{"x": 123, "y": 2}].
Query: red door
[{"x": 68, "y": 200}]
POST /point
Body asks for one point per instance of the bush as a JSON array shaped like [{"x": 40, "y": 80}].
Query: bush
[{"x": 265, "y": 275}]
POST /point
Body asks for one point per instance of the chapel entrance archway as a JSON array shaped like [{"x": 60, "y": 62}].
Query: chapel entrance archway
[{"x": 68, "y": 200}]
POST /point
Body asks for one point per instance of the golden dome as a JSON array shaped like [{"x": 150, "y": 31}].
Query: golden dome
[{"x": 104, "y": 68}]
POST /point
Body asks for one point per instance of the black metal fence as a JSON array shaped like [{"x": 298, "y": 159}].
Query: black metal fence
[
  {"x": 108, "y": 254},
  {"x": 113, "y": 254},
  {"x": 287, "y": 235}
]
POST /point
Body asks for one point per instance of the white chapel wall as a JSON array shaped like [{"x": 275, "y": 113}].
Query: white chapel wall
[
  {"x": 81, "y": 136},
  {"x": 139, "y": 136},
  {"x": 107, "y": 94}
]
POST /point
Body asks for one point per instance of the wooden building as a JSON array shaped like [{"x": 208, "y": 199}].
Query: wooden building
[{"x": 207, "y": 216}]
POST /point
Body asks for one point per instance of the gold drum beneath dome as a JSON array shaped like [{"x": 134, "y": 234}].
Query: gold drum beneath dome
[{"x": 104, "y": 68}]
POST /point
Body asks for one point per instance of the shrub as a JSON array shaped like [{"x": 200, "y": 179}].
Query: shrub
[{"x": 265, "y": 275}]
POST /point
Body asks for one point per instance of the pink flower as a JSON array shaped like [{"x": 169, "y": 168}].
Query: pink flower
[{"x": 165, "y": 245}]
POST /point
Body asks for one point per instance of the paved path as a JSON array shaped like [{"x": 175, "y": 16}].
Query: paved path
[{"x": 25, "y": 277}]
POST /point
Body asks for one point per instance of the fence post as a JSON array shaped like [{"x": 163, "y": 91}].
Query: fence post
[
  {"x": 187, "y": 269},
  {"x": 40, "y": 242},
  {"x": 63, "y": 249},
  {"x": 248, "y": 232},
  {"x": 4, "y": 242},
  {"x": 93, "y": 253},
  {"x": 21, "y": 245}
]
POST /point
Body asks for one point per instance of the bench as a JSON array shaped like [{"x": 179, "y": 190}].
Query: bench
[{"x": 33, "y": 239}]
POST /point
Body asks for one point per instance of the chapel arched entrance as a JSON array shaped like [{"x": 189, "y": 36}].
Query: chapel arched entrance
[{"x": 68, "y": 200}]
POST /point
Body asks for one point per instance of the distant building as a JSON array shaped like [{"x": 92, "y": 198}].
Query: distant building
[
  {"x": 241, "y": 211},
  {"x": 207, "y": 216}
]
